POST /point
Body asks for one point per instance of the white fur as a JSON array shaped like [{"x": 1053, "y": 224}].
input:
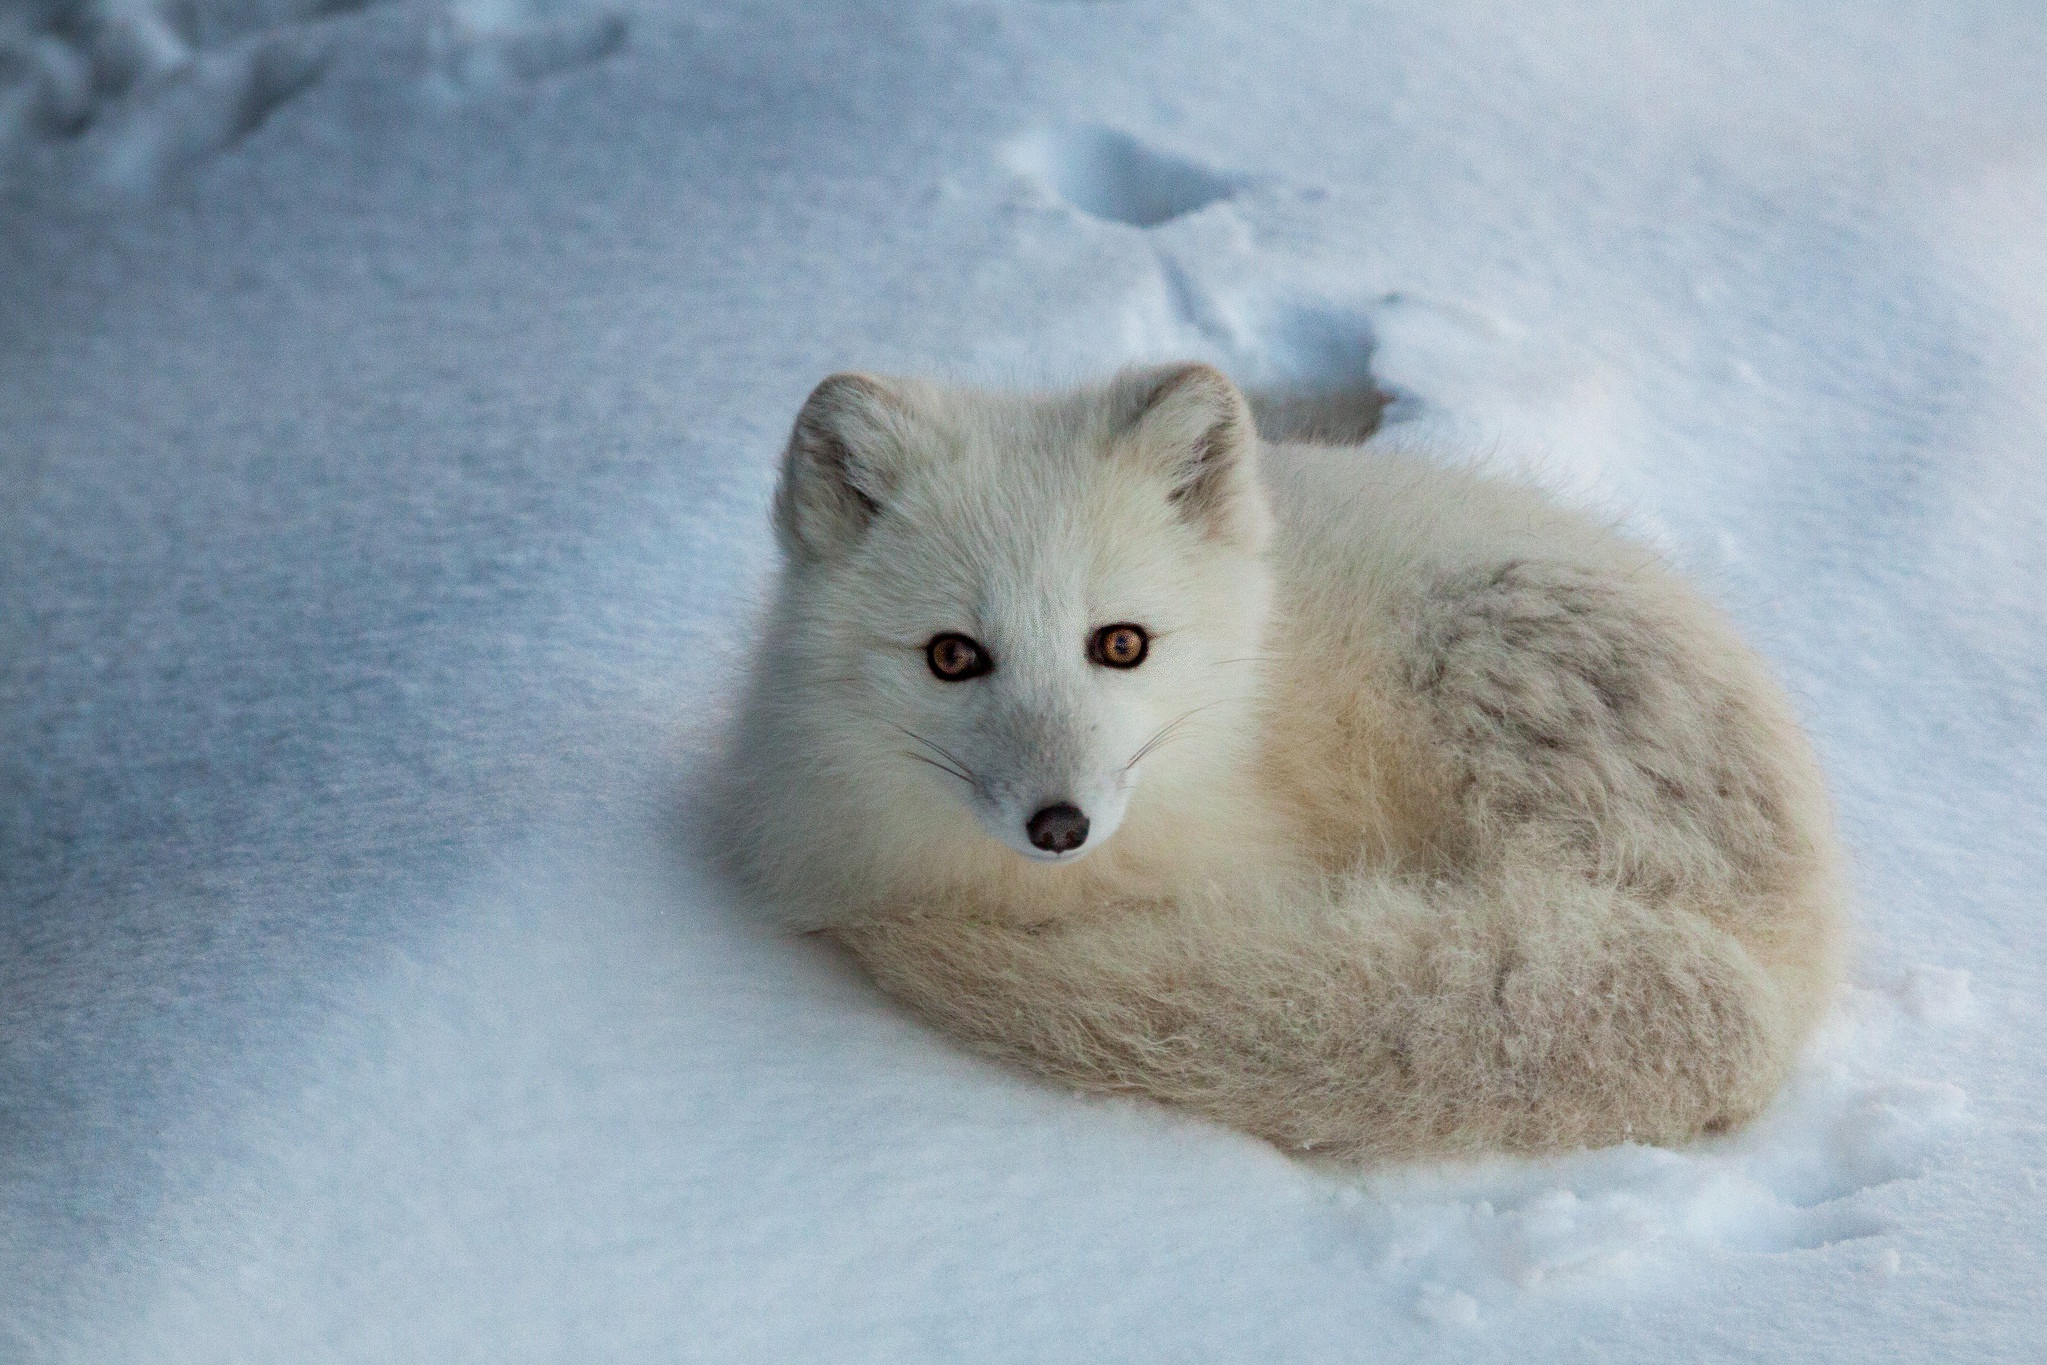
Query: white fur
[{"x": 1471, "y": 826}]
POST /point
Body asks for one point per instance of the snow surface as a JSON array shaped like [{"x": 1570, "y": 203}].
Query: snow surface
[{"x": 389, "y": 397}]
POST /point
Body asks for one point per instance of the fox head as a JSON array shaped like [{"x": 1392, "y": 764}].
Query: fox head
[{"x": 1011, "y": 621}]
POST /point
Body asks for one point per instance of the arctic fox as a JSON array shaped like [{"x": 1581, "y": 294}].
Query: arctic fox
[{"x": 1376, "y": 808}]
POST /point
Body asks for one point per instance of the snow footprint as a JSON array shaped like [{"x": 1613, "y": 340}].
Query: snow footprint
[
  {"x": 123, "y": 95},
  {"x": 481, "y": 45},
  {"x": 1110, "y": 175},
  {"x": 200, "y": 108},
  {"x": 1306, "y": 364},
  {"x": 1336, "y": 366}
]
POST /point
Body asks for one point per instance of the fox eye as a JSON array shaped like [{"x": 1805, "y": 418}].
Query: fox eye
[
  {"x": 956, "y": 658},
  {"x": 1119, "y": 646}
]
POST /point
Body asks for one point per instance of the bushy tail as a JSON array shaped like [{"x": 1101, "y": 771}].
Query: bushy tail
[{"x": 1372, "y": 1017}]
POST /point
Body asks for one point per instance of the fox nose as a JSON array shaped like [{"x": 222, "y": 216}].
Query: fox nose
[{"x": 1058, "y": 829}]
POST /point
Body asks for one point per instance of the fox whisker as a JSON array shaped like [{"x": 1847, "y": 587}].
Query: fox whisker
[
  {"x": 952, "y": 762},
  {"x": 1168, "y": 731},
  {"x": 945, "y": 768}
]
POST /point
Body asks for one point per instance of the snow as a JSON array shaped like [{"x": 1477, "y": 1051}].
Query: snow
[{"x": 389, "y": 397}]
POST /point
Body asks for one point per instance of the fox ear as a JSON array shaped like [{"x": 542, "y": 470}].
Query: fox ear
[
  {"x": 839, "y": 468},
  {"x": 1190, "y": 423}
]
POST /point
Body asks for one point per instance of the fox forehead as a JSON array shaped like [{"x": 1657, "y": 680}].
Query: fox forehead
[{"x": 1024, "y": 544}]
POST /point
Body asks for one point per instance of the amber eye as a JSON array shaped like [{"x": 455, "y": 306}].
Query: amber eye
[
  {"x": 956, "y": 658},
  {"x": 1122, "y": 646}
]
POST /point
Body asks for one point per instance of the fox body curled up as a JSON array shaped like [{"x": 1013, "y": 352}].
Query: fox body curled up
[{"x": 1373, "y": 807}]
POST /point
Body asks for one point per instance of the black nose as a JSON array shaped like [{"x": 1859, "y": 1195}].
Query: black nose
[{"x": 1058, "y": 829}]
